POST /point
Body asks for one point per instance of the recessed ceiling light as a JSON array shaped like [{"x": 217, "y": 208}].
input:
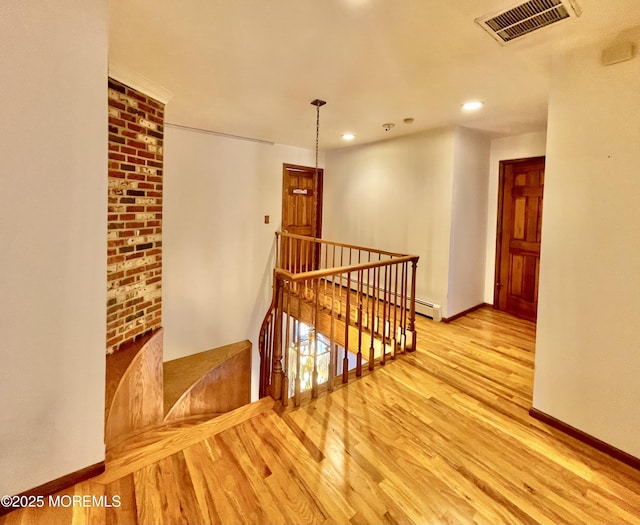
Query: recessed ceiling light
[
  {"x": 348, "y": 136},
  {"x": 472, "y": 105}
]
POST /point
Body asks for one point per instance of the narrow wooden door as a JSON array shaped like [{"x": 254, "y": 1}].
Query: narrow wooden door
[
  {"x": 301, "y": 213},
  {"x": 518, "y": 238}
]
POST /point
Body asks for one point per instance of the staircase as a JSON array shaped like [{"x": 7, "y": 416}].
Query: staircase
[
  {"x": 146, "y": 398},
  {"x": 338, "y": 311}
]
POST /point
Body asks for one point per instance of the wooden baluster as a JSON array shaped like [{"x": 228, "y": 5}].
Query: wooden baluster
[
  {"x": 286, "y": 254},
  {"x": 369, "y": 316},
  {"x": 359, "y": 306},
  {"x": 277, "y": 350},
  {"x": 301, "y": 245},
  {"x": 395, "y": 311},
  {"x": 404, "y": 305},
  {"x": 263, "y": 346},
  {"x": 326, "y": 256},
  {"x": 374, "y": 313},
  {"x": 287, "y": 324},
  {"x": 385, "y": 303},
  {"x": 305, "y": 268},
  {"x": 314, "y": 377},
  {"x": 412, "y": 313},
  {"x": 399, "y": 305},
  {"x": 333, "y": 356},
  {"x": 333, "y": 281},
  {"x": 345, "y": 362},
  {"x": 278, "y": 249},
  {"x": 296, "y": 393}
]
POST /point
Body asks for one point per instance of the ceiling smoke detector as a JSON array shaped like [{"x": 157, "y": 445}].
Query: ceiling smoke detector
[
  {"x": 388, "y": 126},
  {"x": 517, "y": 21}
]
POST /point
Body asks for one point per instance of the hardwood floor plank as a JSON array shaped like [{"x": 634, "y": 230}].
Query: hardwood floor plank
[
  {"x": 141, "y": 456},
  {"x": 127, "y": 511},
  {"x": 441, "y": 435},
  {"x": 210, "y": 494},
  {"x": 247, "y": 453},
  {"x": 312, "y": 494}
]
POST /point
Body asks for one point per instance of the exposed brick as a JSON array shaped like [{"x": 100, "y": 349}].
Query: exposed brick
[
  {"x": 136, "y": 144},
  {"x": 128, "y": 150},
  {"x": 134, "y": 253},
  {"x": 135, "y": 94},
  {"x": 117, "y": 122},
  {"x": 157, "y": 119},
  {"x": 128, "y": 117},
  {"x": 146, "y": 108},
  {"x": 146, "y": 154},
  {"x": 134, "y": 127}
]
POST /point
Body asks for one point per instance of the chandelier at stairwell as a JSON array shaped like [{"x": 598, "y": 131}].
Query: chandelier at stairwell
[{"x": 309, "y": 351}]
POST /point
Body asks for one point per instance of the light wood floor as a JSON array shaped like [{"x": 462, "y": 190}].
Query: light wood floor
[{"x": 438, "y": 436}]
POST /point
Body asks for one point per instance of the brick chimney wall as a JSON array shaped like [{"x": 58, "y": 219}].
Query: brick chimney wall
[{"x": 134, "y": 253}]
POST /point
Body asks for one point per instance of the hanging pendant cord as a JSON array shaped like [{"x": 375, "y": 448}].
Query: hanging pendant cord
[
  {"x": 314, "y": 224},
  {"x": 317, "y": 139},
  {"x": 314, "y": 221}
]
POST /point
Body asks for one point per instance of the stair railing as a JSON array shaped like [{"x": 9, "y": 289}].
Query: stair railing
[{"x": 337, "y": 309}]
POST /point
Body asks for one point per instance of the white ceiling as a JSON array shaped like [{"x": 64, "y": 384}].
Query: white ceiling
[{"x": 252, "y": 67}]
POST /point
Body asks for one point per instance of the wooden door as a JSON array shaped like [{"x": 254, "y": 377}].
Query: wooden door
[
  {"x": 301, "y": 213},
  {"x": 518, "y": 238}
]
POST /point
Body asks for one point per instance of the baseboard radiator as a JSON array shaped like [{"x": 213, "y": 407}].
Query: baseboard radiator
[
  {"x": 428, "y": 309},
  {"x": 431, "y": 310}
]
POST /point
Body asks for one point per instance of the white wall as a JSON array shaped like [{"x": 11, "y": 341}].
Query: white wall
[
  {"x": 53, "y": 198},
  {"x": 468, "y": 220},
  {"x": 217, "y": 251},
  {"x": 588, "y": 349},
  {"x": 505, "y": 148},
  {"x": 396, "y": 195}
]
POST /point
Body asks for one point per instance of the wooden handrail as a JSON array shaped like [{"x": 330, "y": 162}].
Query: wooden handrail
[
  {"x": 357, "y": 323},
  {"x": 340, "y": 244},
  {"x": 315, "y": 274}
]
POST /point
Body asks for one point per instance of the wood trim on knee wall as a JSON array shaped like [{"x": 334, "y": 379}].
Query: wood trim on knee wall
[
  {"x": 594, "y": 442},
  {"x": 56, "y": 485}
]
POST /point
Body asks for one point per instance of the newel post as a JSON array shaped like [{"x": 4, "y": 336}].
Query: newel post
[
  {"x": 412, "y": 312},
  {"x": 277, "y": 371}
]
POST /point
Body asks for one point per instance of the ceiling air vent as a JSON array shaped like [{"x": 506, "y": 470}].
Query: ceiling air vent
[{"x": 515, "y": 22}]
